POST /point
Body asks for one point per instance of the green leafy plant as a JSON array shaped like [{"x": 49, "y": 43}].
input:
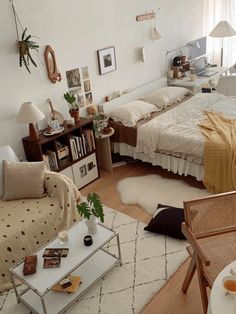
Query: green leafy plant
[
  {"x": 71, "y": 101},
  {"x": 26, "y": 46},
  {"x": 93, "y": 206}
]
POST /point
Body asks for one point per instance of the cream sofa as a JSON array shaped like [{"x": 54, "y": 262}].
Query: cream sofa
[{"x": 27, "y": 224}]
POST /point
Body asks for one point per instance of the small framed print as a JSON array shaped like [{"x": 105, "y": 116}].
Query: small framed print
[
  {"x": 55, "y": 125},
  {"x": 83, "y": 171},
  {"x": 106, "y": 60}
]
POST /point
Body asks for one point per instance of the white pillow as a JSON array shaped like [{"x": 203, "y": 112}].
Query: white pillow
[
  {"x": 6, "y": 153},
  {"x": 129, "y": 114},
  {"x": 166, "y": 96}
]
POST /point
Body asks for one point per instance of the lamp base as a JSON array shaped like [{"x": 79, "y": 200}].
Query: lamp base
[{"x": 33, "y": 132}]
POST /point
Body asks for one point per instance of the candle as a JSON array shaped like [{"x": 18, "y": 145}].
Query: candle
[{"x": 63, "y": 236}]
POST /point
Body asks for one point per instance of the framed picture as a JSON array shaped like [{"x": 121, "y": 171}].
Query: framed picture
[
  {"x": 73, "y": 79},
  {"x": 106, "y": 60}
]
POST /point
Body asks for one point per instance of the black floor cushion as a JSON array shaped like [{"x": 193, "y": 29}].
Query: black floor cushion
[{"x": 167, "y": 220}]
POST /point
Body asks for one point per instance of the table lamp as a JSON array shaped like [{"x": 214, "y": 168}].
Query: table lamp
[
  {"x": 29, "y": 113},
  {"x": 221, "y": 30}
]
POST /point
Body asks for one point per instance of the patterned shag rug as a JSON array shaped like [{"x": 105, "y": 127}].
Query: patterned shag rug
[
  {"x": 149, "y": 260},
  {"x": 147, "y": 191}
]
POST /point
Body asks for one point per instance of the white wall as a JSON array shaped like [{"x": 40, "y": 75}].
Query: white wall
[{"x": 76, "y": 30}]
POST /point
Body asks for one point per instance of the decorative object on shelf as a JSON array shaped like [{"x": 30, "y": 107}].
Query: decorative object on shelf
[
  {"x": 221, "y": 30},
  {"x": 106, "y": 60},
  {"x": 49, "y": 131},
  {"x": 54, "y": 74},
  {"x": 100, "y": 121},
  {"x": 55, "y": 115},
  {"x": 91, "y": 210},
  {"x": 73, "y": 106},
  {"x": 25, "y": 43},
  {"x": 92, "y": 110},
  {"x": 29, "y": 113}
]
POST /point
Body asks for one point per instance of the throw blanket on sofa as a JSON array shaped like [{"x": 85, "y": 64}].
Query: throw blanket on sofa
[
  {"x": 220, "y": 153},
  {"x": 27, "y": 224}
]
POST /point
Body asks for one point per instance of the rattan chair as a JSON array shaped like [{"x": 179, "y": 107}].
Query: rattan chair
[{"x": 210, "y": 228}]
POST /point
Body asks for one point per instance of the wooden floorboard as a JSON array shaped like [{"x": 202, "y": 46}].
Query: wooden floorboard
[{"x": 170, "y": 299}]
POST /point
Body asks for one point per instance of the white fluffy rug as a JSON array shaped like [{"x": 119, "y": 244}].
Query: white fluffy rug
[
  {"x": 148, "y": 262},
  {"x": 147, "y": 191}
]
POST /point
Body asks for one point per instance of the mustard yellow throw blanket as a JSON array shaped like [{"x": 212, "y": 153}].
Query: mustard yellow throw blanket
[{"x": 220, "y": 153}]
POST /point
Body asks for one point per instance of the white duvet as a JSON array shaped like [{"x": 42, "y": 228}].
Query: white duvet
[{"x": 176, "y": 132}]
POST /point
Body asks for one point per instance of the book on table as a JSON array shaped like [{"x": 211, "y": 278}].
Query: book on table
[{"x": 75, "y": 281}]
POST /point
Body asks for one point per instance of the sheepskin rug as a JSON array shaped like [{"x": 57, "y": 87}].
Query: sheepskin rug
[{"x": 147, "y": 191}]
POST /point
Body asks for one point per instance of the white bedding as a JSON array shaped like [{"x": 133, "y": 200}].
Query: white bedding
[{"x": 176, "y": 132}]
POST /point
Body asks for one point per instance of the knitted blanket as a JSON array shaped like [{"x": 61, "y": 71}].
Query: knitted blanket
[{"x": 220, "y": 153}]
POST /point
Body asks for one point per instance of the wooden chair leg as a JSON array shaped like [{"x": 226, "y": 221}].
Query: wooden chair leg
[
  {"x": 202, "y": 284},
  {"x": 190, "y": 273}
]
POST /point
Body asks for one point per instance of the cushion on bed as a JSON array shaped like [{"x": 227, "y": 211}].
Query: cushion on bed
[
  {"x": 166, "y": 96},
  {"x": 129, "y": 114},
  {"x": 23, "y": 180},
  {"x": 167, "y": 220}
]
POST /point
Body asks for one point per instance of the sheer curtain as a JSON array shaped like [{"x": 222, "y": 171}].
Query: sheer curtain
[{"x": 215, "y": 11}]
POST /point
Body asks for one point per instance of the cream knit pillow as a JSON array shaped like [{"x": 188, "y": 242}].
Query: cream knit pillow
[{"x": 23, "y": 180}]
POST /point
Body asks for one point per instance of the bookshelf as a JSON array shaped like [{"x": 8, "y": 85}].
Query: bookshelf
[{"x": 71, "y": 152}]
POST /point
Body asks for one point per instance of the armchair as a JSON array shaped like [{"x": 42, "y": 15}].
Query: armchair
[{"x": 210, "y": 228}]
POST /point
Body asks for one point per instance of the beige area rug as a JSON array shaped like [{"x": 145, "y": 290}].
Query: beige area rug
[
  {"x": 149, "y": 260},
  {"x": 147, "y": 191}
]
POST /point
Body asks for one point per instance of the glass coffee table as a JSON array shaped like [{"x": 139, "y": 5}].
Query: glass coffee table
[{"x": 91, "y": 263}]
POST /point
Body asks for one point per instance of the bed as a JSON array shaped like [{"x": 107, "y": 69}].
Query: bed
[{"x": 173, "y": 139}]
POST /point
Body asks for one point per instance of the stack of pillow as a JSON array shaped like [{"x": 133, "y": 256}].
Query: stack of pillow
[{"x": 130, "y": 113}]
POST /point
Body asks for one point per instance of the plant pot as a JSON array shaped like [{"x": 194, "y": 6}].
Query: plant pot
[
  {"x": 75, "y": 114},
  {"x": 92, "y": 225},
  {"x": 23, "y": 48}
]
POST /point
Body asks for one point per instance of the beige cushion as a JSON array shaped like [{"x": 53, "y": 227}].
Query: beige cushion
[
  {"x": 166, "y": 96},
  {"x": 23, "y": 180},
  {"x": 130, "y": 113}
]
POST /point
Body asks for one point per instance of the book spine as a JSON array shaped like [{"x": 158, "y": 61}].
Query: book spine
[
  {"x": 72, "y": 148},
  {"x": 81, "y": 146}
]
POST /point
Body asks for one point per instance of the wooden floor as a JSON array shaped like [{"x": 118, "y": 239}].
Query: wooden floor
[{"x": 170, "y": 299}]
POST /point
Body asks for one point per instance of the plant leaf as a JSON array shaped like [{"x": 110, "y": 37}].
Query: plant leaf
[
  {"x": 96, "y": 205},
  {"x": 83, "y": 209},
  {"x": 32, "y": 60},
  {"x": 23, "y": 34}
]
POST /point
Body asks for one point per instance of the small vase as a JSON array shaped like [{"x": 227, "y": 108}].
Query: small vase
[
  {"x": 92, "y": 225},
  {"x": 75, "y": 114}
]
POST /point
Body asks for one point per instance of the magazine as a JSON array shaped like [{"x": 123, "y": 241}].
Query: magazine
[
  {"x": 52, "y": 262},
  {"x": 55, "y": 252}
]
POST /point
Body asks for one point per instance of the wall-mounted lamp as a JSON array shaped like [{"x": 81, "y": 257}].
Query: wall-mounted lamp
[
  {"x": 30, "y": 114},
  {"x": 54, "y": 74}
]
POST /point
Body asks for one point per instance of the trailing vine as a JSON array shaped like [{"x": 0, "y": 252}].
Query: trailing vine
[{"x": 25, "y": 44}]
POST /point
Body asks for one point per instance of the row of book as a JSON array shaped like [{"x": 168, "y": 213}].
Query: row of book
[
  {"x": 80, "y": 145},
  {"x": 83, "y": 144}
]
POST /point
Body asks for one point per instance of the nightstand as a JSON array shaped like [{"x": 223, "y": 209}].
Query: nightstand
[{"x": 103, "y": 147}]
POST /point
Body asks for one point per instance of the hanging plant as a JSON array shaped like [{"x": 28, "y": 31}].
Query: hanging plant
[{"x": 25, "y": 44}]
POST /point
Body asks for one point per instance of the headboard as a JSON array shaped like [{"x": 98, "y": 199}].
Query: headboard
[{"x": 134, "y": 94}]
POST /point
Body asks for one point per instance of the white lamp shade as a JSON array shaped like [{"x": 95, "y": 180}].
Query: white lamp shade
[
  {"x": 29, "y": 113},
  {"x": 222, "y": 29}
]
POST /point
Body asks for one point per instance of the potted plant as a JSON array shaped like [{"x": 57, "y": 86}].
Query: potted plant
[
  {"x": 26, "y": 46},
  {"x": 73, "y": 106},
  {"x": 91, "y": 210}
]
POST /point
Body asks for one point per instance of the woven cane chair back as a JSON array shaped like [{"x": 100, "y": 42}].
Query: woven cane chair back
[{"x": 211, "y": 214}]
